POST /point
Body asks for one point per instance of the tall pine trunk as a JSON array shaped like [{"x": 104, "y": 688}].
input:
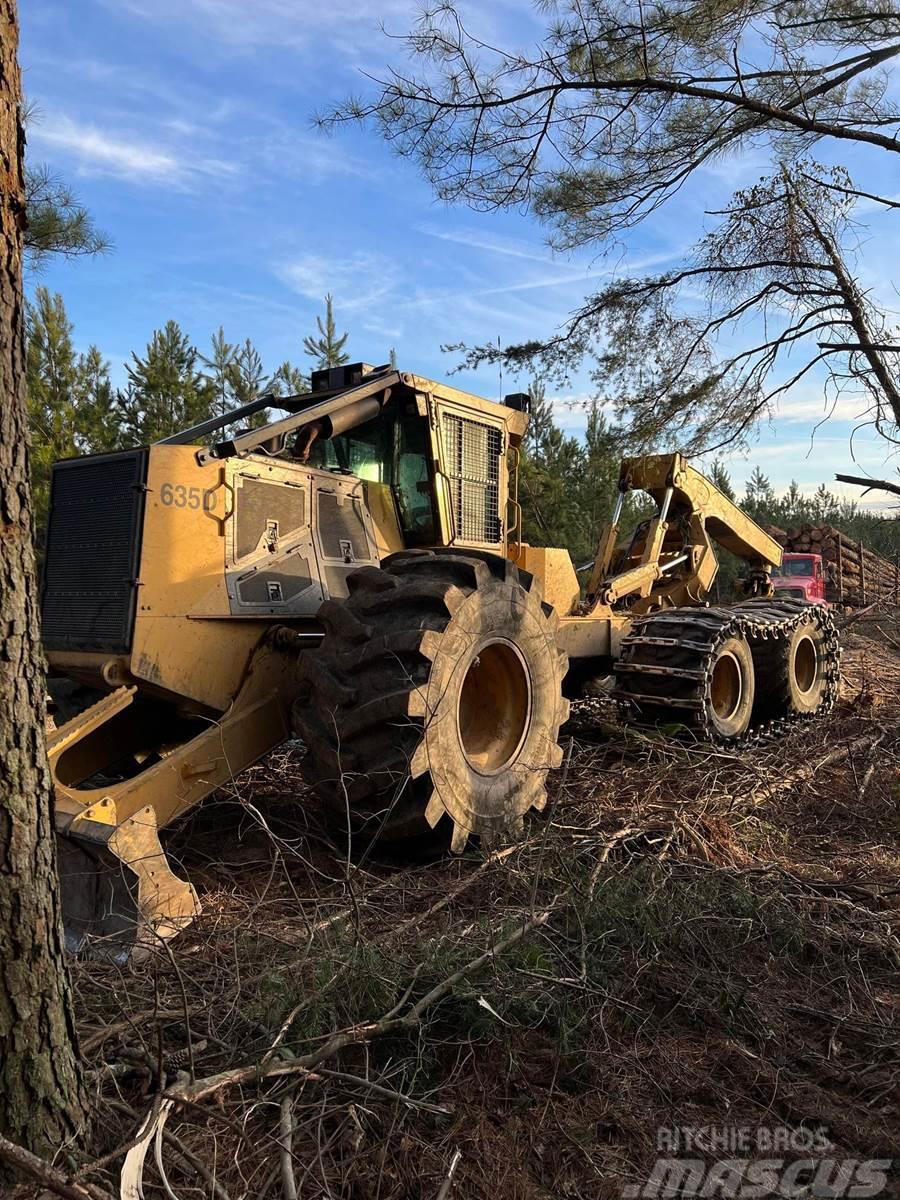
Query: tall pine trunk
[{"x": 41, "y": 1099}]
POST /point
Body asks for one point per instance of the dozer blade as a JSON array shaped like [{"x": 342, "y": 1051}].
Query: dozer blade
[
  {"x": 119, "y": 894},
  {"x": 122, "y": 770}
]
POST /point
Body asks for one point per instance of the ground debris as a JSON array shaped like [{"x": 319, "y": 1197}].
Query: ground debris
[{"x": 684, "y": 936}]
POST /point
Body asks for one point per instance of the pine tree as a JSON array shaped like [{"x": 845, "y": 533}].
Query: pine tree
[
  {"x": 598, "y": 486},
  {"x": 568, "y": 487},
  {"x": 327, "y": 349},
  {"x": 71, "y": 405},
  {"x": 51, "y": 380},
  {"x": 237, "y": 376},
  {"x": 720, "y": 477},
  {"x": 43, "y": 1104},
  {"x": 792, "y": 507},
  {"x": 551, "y": 509},
  {"x": 219, "y": 362},
  {"x": 58, "y": 223},
  {"x": 760, "y": 501},
  {"x": 246, "y": 375},
  {"x": 247, "y": 381},
  {"x": 550, "y": 463},
  {"x": 288, "y": 380},
  {"x": 166, "y": 388},
  {"x": 824, "y": 505},
  {"x": 540, "y": 419},
  {"x": 639, "y": 98}
]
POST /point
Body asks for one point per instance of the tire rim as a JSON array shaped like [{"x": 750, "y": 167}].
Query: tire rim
[
  {"x": 494, "y": 709},
  {"x": 726, "y": 687},
  {"x": 806, "y": 665}
]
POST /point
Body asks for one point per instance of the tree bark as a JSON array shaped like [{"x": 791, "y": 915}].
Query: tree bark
[{"x": 41, "y": 1098}]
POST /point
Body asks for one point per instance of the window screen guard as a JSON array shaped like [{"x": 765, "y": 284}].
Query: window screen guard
[{"x": 472, "y": 466}]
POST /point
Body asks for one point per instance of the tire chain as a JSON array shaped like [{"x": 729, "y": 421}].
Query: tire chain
[{"x": 755, "y": 620}]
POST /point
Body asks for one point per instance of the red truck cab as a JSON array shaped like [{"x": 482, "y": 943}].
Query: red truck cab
[{"x": 801, "y": 576}]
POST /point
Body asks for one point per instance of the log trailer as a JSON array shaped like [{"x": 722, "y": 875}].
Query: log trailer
[
  {"x": 824, "y": 564},
  {"x": 353, "y": 574}
]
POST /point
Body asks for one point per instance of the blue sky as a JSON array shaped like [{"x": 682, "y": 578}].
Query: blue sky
[{"x": 186, "y": 128}]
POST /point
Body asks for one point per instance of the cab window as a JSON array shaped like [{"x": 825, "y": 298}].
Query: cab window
[
  {"x": 798, "y": 567},
  {"x": 395, "y": 452},
  {"x": 412, "y": 481},
  {"x": 363, "y": 452}
]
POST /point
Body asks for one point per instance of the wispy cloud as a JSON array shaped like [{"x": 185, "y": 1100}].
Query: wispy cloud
[
  {"x": 799, "y": 409},
  {"x": 244, "y": 26},
  {"x": 122, "y": 79},
  {"x": 513, "y": 247},
  {"x": 96, "y": 151},
  {"x": 569, "y": 271},
  {"x": 530, "y": 285},
  {"x": 571, "y": 409},
  {"x": 314, "y": 158},
  {"x": 356, "y": 282}
]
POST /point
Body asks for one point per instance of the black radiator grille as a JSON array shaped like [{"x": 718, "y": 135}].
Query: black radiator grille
[{"x": 93, "y": 547}]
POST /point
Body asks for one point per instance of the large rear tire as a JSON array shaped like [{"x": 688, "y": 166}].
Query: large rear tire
[{"x": 433, "y": 705}]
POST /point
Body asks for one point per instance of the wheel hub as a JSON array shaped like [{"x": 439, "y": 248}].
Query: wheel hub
[
  {"x": 806, "y": 665},
  {"x": 494, "y": 707},
  {"x": 726, "y": 689}
]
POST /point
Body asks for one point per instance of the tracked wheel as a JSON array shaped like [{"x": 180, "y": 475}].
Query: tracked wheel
[
  {"x": 730, "y": 674},
  {"x": 432, "y": 707},
  {"x": 793, "y": 670}
]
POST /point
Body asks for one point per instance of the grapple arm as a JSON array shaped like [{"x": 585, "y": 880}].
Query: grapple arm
[{"x": 704, "y": 514}]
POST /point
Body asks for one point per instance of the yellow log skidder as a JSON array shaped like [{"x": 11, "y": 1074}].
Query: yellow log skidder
[{"x": 353, "y": 574}]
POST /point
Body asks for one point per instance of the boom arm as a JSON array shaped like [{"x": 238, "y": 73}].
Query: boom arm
[
  {"x": 703, "y": 512},
  {"x": 728, "y": 524}
]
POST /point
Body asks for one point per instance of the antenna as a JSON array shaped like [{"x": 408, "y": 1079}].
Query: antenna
[{"x": 500, "y": 362}]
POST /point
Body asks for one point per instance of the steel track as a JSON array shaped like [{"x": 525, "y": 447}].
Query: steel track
[{"x": 665, "y": 670}]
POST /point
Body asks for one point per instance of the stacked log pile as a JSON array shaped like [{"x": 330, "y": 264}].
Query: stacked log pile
[{"x": 854, "y": 576}]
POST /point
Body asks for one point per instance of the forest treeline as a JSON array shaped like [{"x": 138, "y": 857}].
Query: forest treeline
[
  {"x": 568, "y": 484},
  {"x": 75, "y": 409}
]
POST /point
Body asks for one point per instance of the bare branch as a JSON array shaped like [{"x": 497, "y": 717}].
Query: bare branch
[{"x": 879, "y": 485}]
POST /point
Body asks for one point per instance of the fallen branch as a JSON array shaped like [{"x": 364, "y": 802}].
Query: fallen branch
[
  {"x": 448, "y": 1178},
  {"x": 451, "y": 894},
  {"x": 194, "y": 1163},
  {"x": 806, "y": 770},
  {"x": 286, "y": 1142},
  {"x": 98, "y": 1163},
  {"x": 388, "y": 1093},
  {"x": 98, "y": 1036},
  {"x": 51, "y": 1177},
  {"x": 190, "y": 1160},
  {"x": 860, "y": 612},
  {"x": 870, "y": 770},
  {"x": 255, "y": 1072}
]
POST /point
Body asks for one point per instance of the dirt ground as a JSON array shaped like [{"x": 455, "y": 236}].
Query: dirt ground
[{"x": 696, "y": 938}]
